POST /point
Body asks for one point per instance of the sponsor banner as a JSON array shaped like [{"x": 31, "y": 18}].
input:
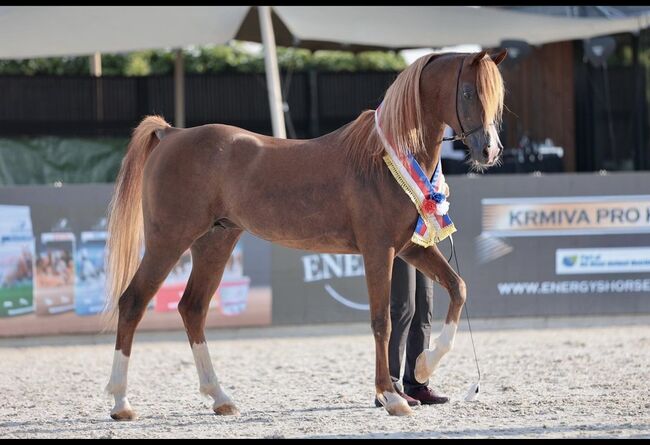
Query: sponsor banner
[
  {"x": 514, "y": 232},
  {"x": 519, "y": 238},
  {"x": 571, "y": 215},
  {"x": 52, "y": 269},
  {"x": 16, "y": 258},
  {"x": 318, "y": 287},
  {"x": 574, "y": 287},
  {"x": 602, "y": 260}
]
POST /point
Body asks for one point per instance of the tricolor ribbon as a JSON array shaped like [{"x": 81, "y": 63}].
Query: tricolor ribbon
[{"x": 434, "y": 224}]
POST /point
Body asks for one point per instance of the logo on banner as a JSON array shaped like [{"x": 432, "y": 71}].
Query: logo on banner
[
  {"x": 323, "y": 266},
  {"x": 558, "y": 216},
  {"x": 569, "y": 261},
  {"x": 602, "y": 260}
]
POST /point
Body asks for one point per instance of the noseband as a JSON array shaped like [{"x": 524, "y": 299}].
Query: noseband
[{"x": 463, "y": 135}]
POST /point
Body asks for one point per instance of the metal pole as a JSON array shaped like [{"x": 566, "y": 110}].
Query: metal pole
[
  {"x": 96, "y": 65},
  {"x": 272, "y": 72},
  {"x": 179, "y": 89},
  {"x": 96, "y": 71}
]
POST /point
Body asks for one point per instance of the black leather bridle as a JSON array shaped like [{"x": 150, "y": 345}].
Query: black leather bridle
[{"x": 464, "y": 134}]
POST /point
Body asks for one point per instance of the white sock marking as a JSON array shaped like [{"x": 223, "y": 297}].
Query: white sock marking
[
  {"x": 208, "y": 381},
  {"x": 443, "y": 344},
  {"x": 117, "y": 384}
]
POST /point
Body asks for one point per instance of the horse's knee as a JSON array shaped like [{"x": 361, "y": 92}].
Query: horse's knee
[
  {"x": 457, "y": 289},
  {"x": 380, "y": 328},
  {"x": 190, "y": 310},
  {"x": 131, "y": 307}
]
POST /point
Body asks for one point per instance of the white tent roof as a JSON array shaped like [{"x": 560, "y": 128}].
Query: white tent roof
[
  {"x": 46, "y": 31},
  {"x": 41, "y": 31},
  {"x": 426, "y": 26}
]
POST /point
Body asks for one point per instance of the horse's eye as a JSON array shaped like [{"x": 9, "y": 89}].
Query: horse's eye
[{"x": 467, "y": 95}]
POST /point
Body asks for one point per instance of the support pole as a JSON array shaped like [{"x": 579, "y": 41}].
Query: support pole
[
  {"x": 272, "y": 72},
  {"x": 96, "y": 71},
  {"x": 96, "y": 65},
  {"x": 179, "y": 89}
]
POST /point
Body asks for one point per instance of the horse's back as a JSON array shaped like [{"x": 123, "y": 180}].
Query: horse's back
[{"x": 283, "y": 190}]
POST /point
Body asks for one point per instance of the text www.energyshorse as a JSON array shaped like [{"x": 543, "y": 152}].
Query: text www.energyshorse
[{"x": 573, "y": 287}]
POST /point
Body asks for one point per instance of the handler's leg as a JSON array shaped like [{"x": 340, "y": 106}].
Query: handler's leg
[
  {"x": 432, "y": 263},
  {"x": 402, "y": 309},
  {"x": 420, "y": 330}
]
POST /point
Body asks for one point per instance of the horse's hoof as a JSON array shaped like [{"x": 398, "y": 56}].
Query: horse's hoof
[
  {"x": 422, "y": 372},
  {"x": 125, "y": 414},
  {"x": 402, "y": 409},
  {"x": 396, "y": 405},
  {"x": 227, "y": 409}
]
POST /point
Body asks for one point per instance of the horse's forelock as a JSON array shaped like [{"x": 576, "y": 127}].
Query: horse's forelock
[{"x": 491, "y": 91}]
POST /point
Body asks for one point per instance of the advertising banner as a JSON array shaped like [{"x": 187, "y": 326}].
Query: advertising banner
[
  {"x": 16, "y": 258},
  {"x": 551, "y": 245},
  {"x": 527, "y": 245},
  {"x": 52, "y": 268},
  {"x": 318, "y": 287},
  {"x": 558, "y": 244}
]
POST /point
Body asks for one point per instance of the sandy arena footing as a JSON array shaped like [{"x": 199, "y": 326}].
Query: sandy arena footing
[{"x": 541, "y": 378}]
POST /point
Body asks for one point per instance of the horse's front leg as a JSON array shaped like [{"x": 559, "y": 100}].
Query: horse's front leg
[
  {"x": 432, "y": 263},
  {"x": 379, "y": 265}
]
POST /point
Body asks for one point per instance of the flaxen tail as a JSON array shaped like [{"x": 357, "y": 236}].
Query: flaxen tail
[{"x": 125, "y": 221}]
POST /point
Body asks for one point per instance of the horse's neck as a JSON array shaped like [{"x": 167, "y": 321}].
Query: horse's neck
[{"x": 432, "y": 139}]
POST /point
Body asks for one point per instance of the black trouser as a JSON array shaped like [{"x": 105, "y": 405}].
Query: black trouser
[{"x": 411, "y": 312}]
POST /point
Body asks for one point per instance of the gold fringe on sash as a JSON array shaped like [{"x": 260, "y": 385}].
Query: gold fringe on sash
[{"x": 436, "y": 235}]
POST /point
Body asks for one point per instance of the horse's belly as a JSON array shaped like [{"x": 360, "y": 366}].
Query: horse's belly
[
  {"x": 317, "y": 244},
  {"x": 318, "y": 234}
]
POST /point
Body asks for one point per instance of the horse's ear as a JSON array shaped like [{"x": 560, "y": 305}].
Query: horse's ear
[
  {"x": 498, "y": 57},
  {"x": 478, "y": 57}
]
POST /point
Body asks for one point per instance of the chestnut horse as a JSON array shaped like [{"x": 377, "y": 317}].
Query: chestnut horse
[{"x": 201, "y": 187}]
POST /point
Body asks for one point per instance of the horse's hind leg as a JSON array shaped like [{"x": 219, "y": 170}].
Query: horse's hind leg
[
  {"x": 154, "y": 268},
  {"x": 210, "y": 253},
  {"x": 433, "y": 264}
]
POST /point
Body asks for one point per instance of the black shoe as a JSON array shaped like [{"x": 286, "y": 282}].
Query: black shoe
[{"x": 426, "y": 396}]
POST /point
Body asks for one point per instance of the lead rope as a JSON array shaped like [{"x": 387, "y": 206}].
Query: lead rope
[{"x": 469, "y": 325}]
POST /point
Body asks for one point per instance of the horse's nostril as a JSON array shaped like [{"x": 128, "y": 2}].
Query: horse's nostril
[{"x": 486, "y": 152}]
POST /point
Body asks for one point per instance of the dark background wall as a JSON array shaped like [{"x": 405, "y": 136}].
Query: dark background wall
[{"x": 598, "y": 116}]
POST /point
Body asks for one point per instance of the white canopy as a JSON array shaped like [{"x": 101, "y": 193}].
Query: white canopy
[
  {"x": 42, "y": 31},
  {"x": 436, "y": 26},
  {"x": 46, "y": 31}
]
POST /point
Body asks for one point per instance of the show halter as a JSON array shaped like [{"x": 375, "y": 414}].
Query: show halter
[{"x": 434, "y": 224}]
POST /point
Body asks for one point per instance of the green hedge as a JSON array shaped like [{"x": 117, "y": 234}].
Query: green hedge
[{"x": 207, "y": 59}]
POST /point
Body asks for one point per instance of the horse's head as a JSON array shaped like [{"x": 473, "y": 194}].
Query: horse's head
[
  {"x": 460, "y": 90},
  {"x": 477, "y": 105},
  {"x": 465, "y": 91}
]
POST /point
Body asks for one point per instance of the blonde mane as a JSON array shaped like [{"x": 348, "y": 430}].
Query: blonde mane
[{"x": 401, "y": 117}]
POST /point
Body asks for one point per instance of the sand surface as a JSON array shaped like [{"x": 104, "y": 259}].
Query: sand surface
[{"x": 553, "y": 380}]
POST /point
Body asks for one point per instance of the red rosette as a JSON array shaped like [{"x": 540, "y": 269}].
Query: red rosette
[{"x": 429, "y": 206}]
